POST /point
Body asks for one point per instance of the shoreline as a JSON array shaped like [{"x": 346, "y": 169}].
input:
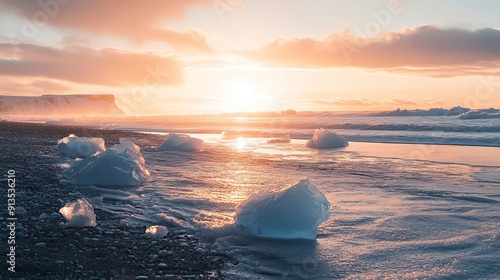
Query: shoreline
[
  {"x": 427, "y": 140},
  {"x": 46, "y": 249}
]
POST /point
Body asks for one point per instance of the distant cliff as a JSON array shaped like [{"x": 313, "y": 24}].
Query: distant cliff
[{"x": 56, "y": 105}]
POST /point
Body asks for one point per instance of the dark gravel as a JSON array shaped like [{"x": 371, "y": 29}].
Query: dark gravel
[{"x": 46, "y": 249}]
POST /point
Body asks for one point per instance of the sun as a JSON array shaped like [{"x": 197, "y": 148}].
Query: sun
[
  {"x": 244, "y": 96},
  {"x": 240, "y": 94}
]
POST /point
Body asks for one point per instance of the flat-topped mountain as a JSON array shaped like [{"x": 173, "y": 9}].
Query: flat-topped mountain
[{"x": 54, "y": 105}]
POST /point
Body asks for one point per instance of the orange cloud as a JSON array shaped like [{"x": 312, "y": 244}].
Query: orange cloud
[
  {"x": 37, "y": 87},
  {"x": 426, "y": 50},
  {"x": 108, "y": 67},
  {"x": 139, "y": 21}
]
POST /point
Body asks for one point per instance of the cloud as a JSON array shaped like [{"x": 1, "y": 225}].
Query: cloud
[
  {"x": 139, "y": 21},
  {"x": 12, "y": 86},
  {"x": 108, "y": 67},
  {"x": 425, "y": 50},
  {"x": 346, "y": 102}
]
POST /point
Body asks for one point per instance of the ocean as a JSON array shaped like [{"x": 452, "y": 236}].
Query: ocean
[{"x": 413, "y": 197}]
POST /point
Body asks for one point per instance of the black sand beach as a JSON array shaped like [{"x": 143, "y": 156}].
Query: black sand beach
[{"x": 46, "y": 249}]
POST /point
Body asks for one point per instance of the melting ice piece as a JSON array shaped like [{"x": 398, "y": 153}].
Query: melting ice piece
[
  {"x": 282, "y": 139},
  {"x": 157, "y": 231},
  {"x": 292, "y": 213},
  {"x": 80, "y": 147},
  {"x": 181, "y": 142},
  {"x": 121, "y": 165},
  {"x": 79, "y": 214},
  {"x": 324, "y": 139}
]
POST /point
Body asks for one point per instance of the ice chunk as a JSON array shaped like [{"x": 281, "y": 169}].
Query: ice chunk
[
  {"x": 324, "y": 139},
  {"x": 282, "y": 139},
  {"x": 181, "y": 142},
  {"x": 292, "y": 213},
  {"x": 121, "y": 165},
  {"x": 127, "y": 139},
  {"x": 79, "y": 214},
  {"x": 80, "y": 147},
  {"x": 157, "y": 231}
]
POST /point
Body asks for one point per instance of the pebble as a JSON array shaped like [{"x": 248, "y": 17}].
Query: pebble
[
  {"x": 183, "y": 245},
  {"x": 200, "y": 251},
  {"x": 21, "y": 210},
  {"x": 141, "y": 277},
  {"x": 43, "y": 216},
  {"x": 55, "y": 215},
  {"x": 124, "y": 223},
  {"x": 40, "y": 244},
  {"x": 162, "y": 265},
  {"x": 163, "y": 253}
]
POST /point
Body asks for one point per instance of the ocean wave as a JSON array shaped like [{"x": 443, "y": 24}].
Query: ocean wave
[{"x": 479, "y": 115}]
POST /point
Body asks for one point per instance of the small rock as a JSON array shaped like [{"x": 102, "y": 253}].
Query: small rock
[
  {"x": 43, "y": 216},
  {"x": 21, "y": 210},
  {"x": 124, "y": 223},
  {"x": 79, "y": 267},
  {"x": 184, "y": 245},
  {"x": 55, "y": 215},
  {"x": 141, "y": 277},
  {"x": 163, "y": 253},
  {"x": 200, "y": 251},
  {"x": 40, "y": 244},
  {"x": 162, "y": 265}
]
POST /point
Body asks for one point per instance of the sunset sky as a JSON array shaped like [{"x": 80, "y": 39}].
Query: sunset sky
[{"x": 213, "y": 56}]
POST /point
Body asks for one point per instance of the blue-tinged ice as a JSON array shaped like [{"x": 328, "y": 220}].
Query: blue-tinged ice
[
  {"x": 79, "y": 213},
  {"x": 121, "y": 165},
  {"x": 292, "y": 213},
  {"x": 324, "y": 139},
  {"x": 181, "y": 142},
  {"x": 80, "y": 147},
  {"x": 157, "y": 231}
]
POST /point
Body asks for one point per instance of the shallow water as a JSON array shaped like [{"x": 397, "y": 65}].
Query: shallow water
[{"x": 393, "y": 214}]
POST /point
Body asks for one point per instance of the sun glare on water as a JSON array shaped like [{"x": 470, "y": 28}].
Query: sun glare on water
[{"x": 241, "y": 143}]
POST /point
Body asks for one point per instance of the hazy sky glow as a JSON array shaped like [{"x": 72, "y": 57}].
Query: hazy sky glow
[{"x": 213, "y": 56}]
